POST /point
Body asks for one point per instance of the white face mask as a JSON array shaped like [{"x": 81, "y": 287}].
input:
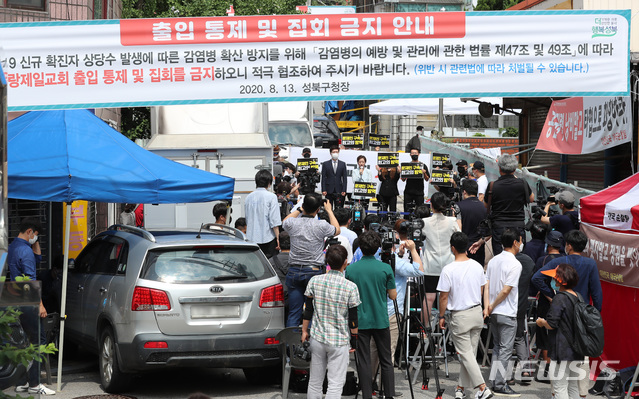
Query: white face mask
[
  {"x": 521, "y": 247},
  {"x": 33, "y": 240},
  {"x": 335, "y": 156}
]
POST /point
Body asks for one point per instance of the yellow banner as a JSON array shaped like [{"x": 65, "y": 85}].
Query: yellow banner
[{"x": 78, "y": 232}]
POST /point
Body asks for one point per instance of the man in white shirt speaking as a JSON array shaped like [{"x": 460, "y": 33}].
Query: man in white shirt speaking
[
  {"x": 503, "y": 280},
  {"x": 461, "y": 286}
]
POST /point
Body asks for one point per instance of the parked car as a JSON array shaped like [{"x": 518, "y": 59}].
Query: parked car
[
  {"x": 325, "y": 131},
  {"x": 145, "y": 300}
]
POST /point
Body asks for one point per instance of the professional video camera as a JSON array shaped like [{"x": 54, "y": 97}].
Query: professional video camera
[
  {"x": 387, "y": 234},
  {"x": 414, "y": 230},
  {"x": 331, "y": 241},
  {"x": 308, "y": 180},
  {"x": 357, "y": 216},
  {"x": 303, "y": 352},
  {"x": 537, "y": 212}
]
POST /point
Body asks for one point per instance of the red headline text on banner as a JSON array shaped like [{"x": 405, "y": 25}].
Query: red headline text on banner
[{"x": 276, "y": 28}]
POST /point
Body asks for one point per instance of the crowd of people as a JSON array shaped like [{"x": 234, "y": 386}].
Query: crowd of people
[{"x": 473, "y": 255}]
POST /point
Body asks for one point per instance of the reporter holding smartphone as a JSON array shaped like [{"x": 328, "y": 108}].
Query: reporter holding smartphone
[{"x": 306, "y": 258}]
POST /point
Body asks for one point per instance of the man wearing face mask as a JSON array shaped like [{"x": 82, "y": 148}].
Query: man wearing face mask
[
  {"x": 334, "y": 178},
  {"x": 414, "y": 190},
  {"x": 23, "y": 257}
]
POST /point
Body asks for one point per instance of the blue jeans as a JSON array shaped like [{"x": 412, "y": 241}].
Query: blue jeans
[{"x": 296, "y": 280}]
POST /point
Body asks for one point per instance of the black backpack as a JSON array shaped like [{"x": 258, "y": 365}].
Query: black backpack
[{"x": 587, "y": 329}]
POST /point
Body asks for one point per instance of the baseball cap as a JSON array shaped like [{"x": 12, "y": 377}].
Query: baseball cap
[
  {"x": 462, "y": 162},
  {"x": 555, "y": 239},
  {"x": 306, "y": 149},
  {"x": 552, "y": 273},
  {"x": 565, "y": 196},
  {"x": 478, "y": 165}
]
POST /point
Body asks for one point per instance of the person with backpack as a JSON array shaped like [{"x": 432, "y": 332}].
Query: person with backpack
[
  {"x": 565, "y": 363},
  {"x": 588, "y": 285}
]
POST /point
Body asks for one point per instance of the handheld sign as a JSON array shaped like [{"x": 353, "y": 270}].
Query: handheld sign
[
  {"x": 365, "y": 189},
  {"x": 378, "y": 140},
  {"x": 440, "y": 159},
  {"x": 304, "y": 164},
  {"x": 388, "y": 159},
  {"x": 412, "y": 170},
  {"x": 353, "y": 140},
  {"x": 442, "y": 178}
]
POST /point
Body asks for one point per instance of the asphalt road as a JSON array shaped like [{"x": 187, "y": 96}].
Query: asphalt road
[{"x": 82, "y": 380}]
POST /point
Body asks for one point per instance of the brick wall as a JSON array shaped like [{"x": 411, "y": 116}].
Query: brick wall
[{"x": 486, "y": 142}]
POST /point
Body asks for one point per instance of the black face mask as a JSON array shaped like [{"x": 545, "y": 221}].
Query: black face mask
[
  {"x": 461, "y": 170},
  {"x": 414, "y": 157},
  {"x": 307, "y": 155}
]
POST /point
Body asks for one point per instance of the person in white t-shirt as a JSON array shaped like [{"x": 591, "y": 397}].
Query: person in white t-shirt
[
  {"x": 482, "y": 180},
  {"x": 461, "y": 287},
  {"x": 503, "y": 280}
]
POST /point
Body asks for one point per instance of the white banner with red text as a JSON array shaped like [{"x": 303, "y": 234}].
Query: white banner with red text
[
  {"x": 162, "y": 61},
  {"x": 583, "y": 125}
]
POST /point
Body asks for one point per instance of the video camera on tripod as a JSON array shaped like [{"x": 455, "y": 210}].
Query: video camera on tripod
[
  {"x": 414, "y": 230},
  {"x": 389, "y": 238},
  {"x": 357, "y": 216}
]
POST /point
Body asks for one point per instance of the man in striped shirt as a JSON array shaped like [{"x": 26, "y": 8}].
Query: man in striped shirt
[{"x": 331, "y": 302}]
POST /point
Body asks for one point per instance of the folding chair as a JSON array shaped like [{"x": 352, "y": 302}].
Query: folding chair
[{"x": 290, "y": 339}]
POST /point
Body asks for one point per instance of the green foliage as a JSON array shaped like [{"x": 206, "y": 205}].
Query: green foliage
[
  {"x": 136, "y": 122},
  {"x": 495, "y": 5},
  {"x": 510, "y": 132},
  {"x": 13, "y": 355},
  {"x": 478, "y": 134}
]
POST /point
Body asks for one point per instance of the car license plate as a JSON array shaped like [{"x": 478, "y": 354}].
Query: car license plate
[{"x": 215, "y": 311}]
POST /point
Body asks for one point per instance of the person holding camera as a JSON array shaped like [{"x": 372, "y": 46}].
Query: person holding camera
[
  {"x": 307, "y": 179},
  {"x": 437, "y": 229},
  {"x": 506, "y": 200},
  {"x": 407, "y": 264},
  {"x": 471, "y": 213},
  {"x": 306, "y": 259},
  {"x": 331, "y": 303},
  {"x": 376, "y": 282},
  {"x": 569, "y": 218}
]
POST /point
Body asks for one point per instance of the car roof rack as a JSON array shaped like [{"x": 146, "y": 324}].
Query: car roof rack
[
  {"x": 134, "y": 230},
  {"x": 214, "y": 227}
]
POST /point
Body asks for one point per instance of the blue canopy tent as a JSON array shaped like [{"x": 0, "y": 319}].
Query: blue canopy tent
[{"x": 63, "y": 156}]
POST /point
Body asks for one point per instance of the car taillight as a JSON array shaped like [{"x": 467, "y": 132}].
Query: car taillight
[
  {"x": 272, "y": 297},
  {"x": 271, "y": 341},
  {"x": 149, "y": 299},
  {"x": 156, "y": 345}
]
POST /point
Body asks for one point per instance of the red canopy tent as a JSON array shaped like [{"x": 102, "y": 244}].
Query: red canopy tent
[{"x": 610, "y": 219}]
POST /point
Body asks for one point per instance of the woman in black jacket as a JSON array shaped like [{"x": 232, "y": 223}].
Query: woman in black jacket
[
  {"x": 387, "y": 196},
  {"x": 564, "y": 362}
]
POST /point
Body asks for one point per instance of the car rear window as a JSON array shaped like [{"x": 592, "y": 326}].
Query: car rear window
[{"x": 206, "y": 265}]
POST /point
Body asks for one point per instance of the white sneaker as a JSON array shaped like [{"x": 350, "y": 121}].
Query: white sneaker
[
  {"x": 42, "y": 390},
  {"x": 459, "y": 394},
  {"x": 22, "y": 388},
  {"x": 485, "y": 394}
]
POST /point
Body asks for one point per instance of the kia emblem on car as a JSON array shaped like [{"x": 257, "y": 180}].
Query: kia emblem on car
[{"x": 216, "y": 289}]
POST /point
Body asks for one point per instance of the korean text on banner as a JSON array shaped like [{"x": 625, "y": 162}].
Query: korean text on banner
[
  {"x": 387, "y": 159},
  {"x": 616, "y": 254},
  {"x": 365, "y": 189},
  {"x": 163, "y": 61},
  {"x": 442, "y": 178},
  {"x": 78, "y": 233},
  {"x": 583, "y": 125},
  {"x": 304, "y": 164}
]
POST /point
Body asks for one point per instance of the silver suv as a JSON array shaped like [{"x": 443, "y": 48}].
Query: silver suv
[{"x": 152, "y": 299}]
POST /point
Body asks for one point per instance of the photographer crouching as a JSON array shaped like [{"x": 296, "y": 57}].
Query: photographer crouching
[{"x": 307, "y": 250}]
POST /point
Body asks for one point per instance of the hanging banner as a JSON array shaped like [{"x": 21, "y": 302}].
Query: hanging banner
[
  {"x": 163, "y": 61},
  {"x": 616, "y": 254},
  {"x": 78, "y": 234},
  {"x": 583, "y": 125}
]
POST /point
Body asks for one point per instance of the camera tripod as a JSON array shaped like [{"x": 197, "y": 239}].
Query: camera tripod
[{"x": 425, "y": 329}]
